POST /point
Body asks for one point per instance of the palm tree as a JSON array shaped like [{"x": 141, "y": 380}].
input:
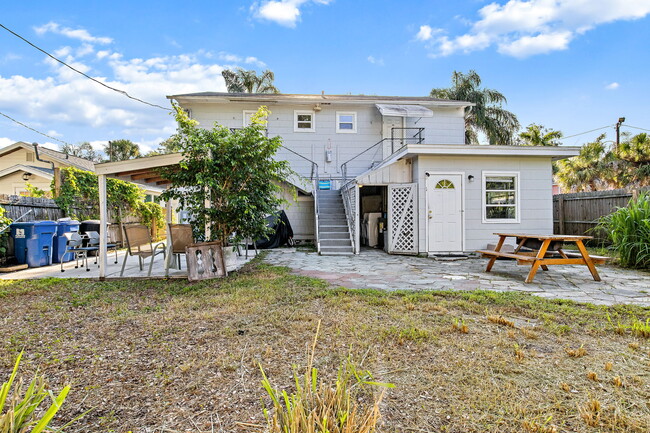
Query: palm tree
[
  {"x": 593, "y": 169},
  {"x": 537, "y": 135},
  {"x": 243, "y": 81},
  {"x": 487, "y": 116}
]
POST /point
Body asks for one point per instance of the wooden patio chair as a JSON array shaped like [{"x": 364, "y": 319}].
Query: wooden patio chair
[
  {"x": 179, "y": 236},
  {"x": 139, "y": 243}
]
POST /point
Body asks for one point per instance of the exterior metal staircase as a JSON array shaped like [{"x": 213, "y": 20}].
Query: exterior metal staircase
[{"x": 334, "y": 234}]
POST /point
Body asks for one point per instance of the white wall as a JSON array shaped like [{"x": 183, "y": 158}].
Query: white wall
[
  {"x": 300, "y": 212},
  {"x": 535, "y": 177},
  {"x": 445, "y": 127}
]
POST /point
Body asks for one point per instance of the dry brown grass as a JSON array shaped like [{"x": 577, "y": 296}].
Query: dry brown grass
[
  {"x": 156, "y": 356},
  {"x": 576, "y": 353},
  {"x": 500, "y": 320}
]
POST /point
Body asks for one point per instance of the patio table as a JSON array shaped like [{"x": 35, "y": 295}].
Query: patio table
[{"x": 540, "y": 256}]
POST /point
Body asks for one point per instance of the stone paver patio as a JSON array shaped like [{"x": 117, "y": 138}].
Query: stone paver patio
[{"x": 378, "y": 270}]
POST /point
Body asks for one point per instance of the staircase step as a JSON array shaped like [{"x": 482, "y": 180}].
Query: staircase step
[
  {"x": 335, "y": 243},
  {"x": 335, "y": 250},
  {"x": 329, "y": 236}
]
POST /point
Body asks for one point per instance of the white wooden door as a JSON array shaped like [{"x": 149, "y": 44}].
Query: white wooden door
[
  {"x": 402, "y": 218},
  {"x": 390, "y": 122},
  {"x": 445, "y": 212}
]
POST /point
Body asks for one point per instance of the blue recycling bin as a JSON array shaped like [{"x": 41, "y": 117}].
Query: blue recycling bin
[
  {"x": 63, "y": 226},
  {"x": 33, "y": 242}
]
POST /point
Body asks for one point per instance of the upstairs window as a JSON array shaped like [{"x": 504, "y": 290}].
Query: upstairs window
[
  {"x": 500, "y": 197},
  {"x": 346, "y": 122},
  {"x": 304, "y": 121}
]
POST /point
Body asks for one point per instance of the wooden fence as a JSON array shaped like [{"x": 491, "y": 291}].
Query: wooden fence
[
  {"x": 35, "y": 209},
  {"x": 578, "y": 213}
]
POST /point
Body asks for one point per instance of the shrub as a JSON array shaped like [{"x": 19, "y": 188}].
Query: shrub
[
  {"x": 4, "y": 235},
  {"x": 628, "y": 229},
  {"x": 20, "y": 412}
]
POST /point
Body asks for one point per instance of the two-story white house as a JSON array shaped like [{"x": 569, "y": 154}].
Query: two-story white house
[{"x": 395, "y": 166}]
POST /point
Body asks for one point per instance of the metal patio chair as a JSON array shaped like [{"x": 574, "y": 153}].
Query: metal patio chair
[
  {"x": 74, "y": 245},
  {"x": 93, "y": 241},
  {"x": 179, "y": 236},
  {"x": 139, "y": 243}
]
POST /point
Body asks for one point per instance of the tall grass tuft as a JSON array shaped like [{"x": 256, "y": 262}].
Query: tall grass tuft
[
  {"x": 347, "y": 406},
  {"x": 629, "y": 230},
  {"x": 21, "y": 413}
]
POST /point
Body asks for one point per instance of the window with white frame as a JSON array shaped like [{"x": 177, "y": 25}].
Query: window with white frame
[
  {"x": 501, "y": 197},
  {"x": 304, "y": 121},
  {"x": 346, "y": 122}
]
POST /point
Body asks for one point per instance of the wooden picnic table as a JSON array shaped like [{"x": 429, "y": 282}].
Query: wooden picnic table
[{"x": 542, "y": 246}]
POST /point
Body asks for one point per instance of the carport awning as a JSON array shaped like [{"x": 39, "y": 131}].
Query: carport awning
[{"x": 404, "y": 110}]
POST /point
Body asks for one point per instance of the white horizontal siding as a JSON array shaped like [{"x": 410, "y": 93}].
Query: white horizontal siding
[
  {"x": 445, "y": 127},
  {"x": 536, "y": 202}
]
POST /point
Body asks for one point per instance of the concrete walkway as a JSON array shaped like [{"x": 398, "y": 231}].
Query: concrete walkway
[
  {"x": 378, "y": 270},
  {"x": 113, "y": 269}
]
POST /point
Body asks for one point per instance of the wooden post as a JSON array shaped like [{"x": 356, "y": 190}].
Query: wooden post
[
  {"x": 560, "y": 208},
  {"x": 103, "y": 227},
  {"x": 57, "y": 181},
  {"x": 635, "y": 194}
]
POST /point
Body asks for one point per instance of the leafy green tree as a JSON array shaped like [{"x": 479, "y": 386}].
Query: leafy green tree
[
  {"x": 537, "y": 135},
  {"x": 487, "y": 116},
  {"x": 247, "y": 81},
  {"x": 82, "y": 150},
  {"x": 234, "y": 171},
  {"x": 591, "y": 170},
  {"x": 121, "y": 150},
  {"x": 170, "y": 145}
]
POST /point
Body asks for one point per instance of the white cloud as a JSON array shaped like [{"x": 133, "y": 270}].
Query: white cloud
[
  {"x": 424, "y": 34},
  {"x": 522, "y": 28},
  {"x": 4, "y": 141},
  {"x": 376, "y": 61},
  {"x": 284, "y": 12},
  {"x": 79, "y": 34},
  {"x": 254, "y": 61},
  {"x": 612, "y": 86},
  {"x": 66, "y": 101}
]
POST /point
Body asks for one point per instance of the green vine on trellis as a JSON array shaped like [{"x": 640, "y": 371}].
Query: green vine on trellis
[{"x": 78, "y": 197}]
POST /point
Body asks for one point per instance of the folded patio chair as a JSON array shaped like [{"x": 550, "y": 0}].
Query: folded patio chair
[
  {"x": 178, "y": 237},
  {"x": 74, "y": 245},
  {"x": 139, "y": 243},
  {"x": 93, "y": 241}
]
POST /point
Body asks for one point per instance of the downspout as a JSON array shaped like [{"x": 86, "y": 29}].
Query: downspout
[{"x": 38, "y": 158}]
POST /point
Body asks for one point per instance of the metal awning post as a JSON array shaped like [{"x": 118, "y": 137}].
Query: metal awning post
[{"x": 103, "y": 227}]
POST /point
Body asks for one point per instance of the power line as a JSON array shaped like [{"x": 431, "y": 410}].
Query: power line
[
  {"x": 32, "y": 129},
  {"x": 81, "y": 73},
  {"x": 586, "y": 132},
  {"x": 635, "y": 127}
]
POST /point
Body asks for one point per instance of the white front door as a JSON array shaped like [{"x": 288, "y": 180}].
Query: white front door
[
  {"x": 445, "y": 212},
  {"x": 390, "y": 146}
]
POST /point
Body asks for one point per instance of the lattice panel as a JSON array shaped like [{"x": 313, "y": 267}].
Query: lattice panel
[
  {"x": 402, "y": 219},
  {"x": 350, "y": 196}
]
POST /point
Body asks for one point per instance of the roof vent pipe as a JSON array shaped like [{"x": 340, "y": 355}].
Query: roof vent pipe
[{"x": 38, "y": 158}]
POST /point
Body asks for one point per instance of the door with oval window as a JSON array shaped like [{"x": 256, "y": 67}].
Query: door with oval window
[{"x": 445, "y": 212}]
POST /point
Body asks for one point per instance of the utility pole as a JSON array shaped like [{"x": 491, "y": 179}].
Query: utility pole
[{"x": 618, "y": 130}]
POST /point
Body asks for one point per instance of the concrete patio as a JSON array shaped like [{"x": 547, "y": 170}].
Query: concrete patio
[
  {"x": 132, "y": 269},
  {"x": 378, "y": 270}
]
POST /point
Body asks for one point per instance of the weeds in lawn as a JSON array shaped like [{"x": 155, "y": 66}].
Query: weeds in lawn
[
  {"x": 633, "y": 346},
  {"x": 460, "y": 326},
  {"x": 576, "y": 353},
  {"x": 565, "y": 387},
  {"x": 641, "y": 329},
  {"x": 316, "y": 406},
  {"x": 500, "y": 320},
  {"x": 593, "y": 376},
  {"x": 23, "y": 410},
  {"x": 520, "y": 355},
  {"x": 590, "y": 412},
  {"x": 535, "y": 427},
  {"x": 617, "y": 381},
  {"x": 609, "y": 366},
  {"x": 529, "y": 333}
]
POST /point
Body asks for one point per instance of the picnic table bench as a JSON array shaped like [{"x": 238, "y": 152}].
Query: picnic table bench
[{"x": 543, "y": 252}]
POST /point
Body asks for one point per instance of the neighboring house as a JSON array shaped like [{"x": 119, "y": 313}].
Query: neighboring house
[
  {"x": 20, "y": 165},
  {"x": 403, "y": 159}
]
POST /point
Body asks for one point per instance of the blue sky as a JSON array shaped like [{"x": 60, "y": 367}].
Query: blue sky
[{"x": 572, "y": 65}]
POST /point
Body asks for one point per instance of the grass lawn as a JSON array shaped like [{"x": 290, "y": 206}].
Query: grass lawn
[{"x": 167, "y": 356}]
